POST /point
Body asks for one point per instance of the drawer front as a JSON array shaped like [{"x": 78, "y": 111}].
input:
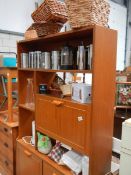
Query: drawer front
[
  {"x": 6, "y": 139},
  {"x": 6, "y": 148},
  {"x": 49, "y": 170},
  {"x": 6, "y": 164},
  {"x": 6, "y": 130}
]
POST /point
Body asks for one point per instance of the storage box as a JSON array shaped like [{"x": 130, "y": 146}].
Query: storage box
[
  {"x": 7, "y": 62},
  {"x": 81, "y": 92}
]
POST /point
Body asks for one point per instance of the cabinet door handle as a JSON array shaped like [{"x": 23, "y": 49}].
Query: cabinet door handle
[
  {"x": 6, "y": 163},
  {"x": 57, "y": 103},
  {"x": 80, "y": 118},
  {"x": 27, "y": 153},
  {"x": 6, "y": 145}
]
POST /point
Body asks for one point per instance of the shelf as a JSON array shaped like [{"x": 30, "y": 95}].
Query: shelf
[
  {"x": 62, "y": 169},
  {"x": 27, "y": 108},
  {"x": 72, "y": 71},
  {"x": 88, "y": 31},
  {"x": 27, "y": 69},
  {"x": 4, "y": 118},
  {"x": 127, "y": 83},
  {"x": 50, "y": 70},
  {"x": 123, "y": 107}
]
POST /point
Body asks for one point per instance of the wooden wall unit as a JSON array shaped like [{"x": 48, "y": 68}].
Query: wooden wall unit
[{"x": 58, "y": 118}]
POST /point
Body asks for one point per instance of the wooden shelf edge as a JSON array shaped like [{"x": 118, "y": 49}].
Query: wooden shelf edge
[
  {"x": 62, "y": 169},
  {"x": 128, "y": 83},
  {"x": 66, "y": 99},
  {"x": 51, "y": 70},
  {"x": 27, "y": 69},
  {"x": 27, "y": 108},
  {"x": 123, "y": 107}
]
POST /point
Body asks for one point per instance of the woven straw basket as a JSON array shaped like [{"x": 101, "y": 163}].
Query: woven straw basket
[
  {"x": 82, "y": 13},
  {"x": 46, "y": 28},
  {"x": 50, "y": 10}
]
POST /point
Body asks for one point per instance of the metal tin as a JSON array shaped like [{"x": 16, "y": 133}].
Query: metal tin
[
  {"x": 55, "y": 60},
  {"x": 47, "y": 60},
  {"x": 24, "y": 60}
]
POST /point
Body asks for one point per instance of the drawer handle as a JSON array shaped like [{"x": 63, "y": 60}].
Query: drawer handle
[
  {"x": 6, "y": 163},
  {"x": 27, "y": 153},
  {"x": 5, "y": 129},
  {"x": 57, "y": 103},
  {"x": 6, "y": 145}
]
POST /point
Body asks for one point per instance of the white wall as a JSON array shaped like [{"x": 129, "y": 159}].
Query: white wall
[
  {"x": 117, "y": 21},
  {"x": 8, "y": 42},
  {"x": 15, "y": 15}
]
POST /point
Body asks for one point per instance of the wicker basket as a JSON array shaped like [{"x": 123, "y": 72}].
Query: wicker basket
[
  {"x": 82, "y": 13},
  {"x": 50, "y": 10},
  {"x": 46, "y": 28},
  {"x": 30, "y": 34}
]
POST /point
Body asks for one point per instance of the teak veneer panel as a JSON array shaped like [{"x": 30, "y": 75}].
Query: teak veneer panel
[
  {"x": 103, "y": 99},
  {"x": 98, "y": 116}
]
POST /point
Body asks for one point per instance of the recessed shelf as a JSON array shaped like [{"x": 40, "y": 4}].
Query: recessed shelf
[{"x": 26, "y": 107}]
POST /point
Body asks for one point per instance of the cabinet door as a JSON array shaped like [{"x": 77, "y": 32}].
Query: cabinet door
[
  {"x": 73, "y": 123},
  {"x": 27, "y": 162},
  {"x": 49, "y": 170},
  {"x": 46, "y": 119}
]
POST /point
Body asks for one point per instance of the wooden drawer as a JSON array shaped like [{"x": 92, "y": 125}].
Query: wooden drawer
[
  {"x": 5, "y": 130},
  {"x": 6, "y": 164},
  {"x": 49, "y": 170},
  {"x": 6, "y": 148},
  {"x": 6, "y": 139}
]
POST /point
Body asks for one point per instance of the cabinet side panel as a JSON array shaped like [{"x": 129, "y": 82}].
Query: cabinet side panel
[{"x": 103, "y": 99}]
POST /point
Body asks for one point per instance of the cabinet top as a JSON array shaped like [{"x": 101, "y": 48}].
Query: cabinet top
[{"x": 86, "y": 31}]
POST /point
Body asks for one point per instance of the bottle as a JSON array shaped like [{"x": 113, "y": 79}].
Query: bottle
[
  {"x": 66, "y": 58},
  {"x": 30, "y": 93},
  {"x": 81, "y": 57}
]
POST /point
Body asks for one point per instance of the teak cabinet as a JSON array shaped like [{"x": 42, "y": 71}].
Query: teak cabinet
[{"x": 87, "y": 128}]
